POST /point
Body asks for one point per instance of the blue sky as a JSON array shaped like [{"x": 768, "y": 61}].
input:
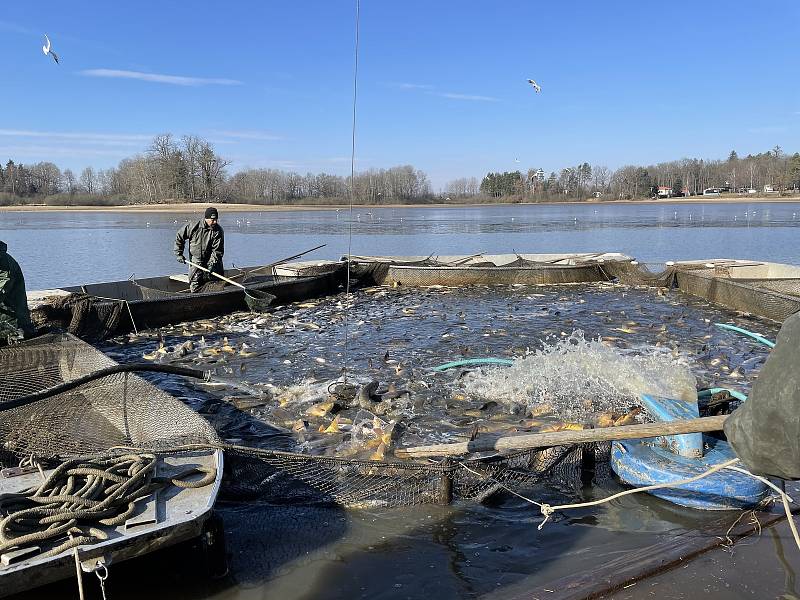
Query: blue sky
[{"x": 442, "y": 85}]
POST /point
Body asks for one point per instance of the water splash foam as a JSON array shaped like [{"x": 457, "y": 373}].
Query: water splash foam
[{"x": 577, "y": 377}]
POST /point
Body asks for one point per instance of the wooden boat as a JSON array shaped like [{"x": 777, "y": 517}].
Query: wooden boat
[
  {"x": 157, "y": 301},
  {"x": 669, "y": 459},
  {"x": 766, "y": 289},
  {"x": 485, "y": 269}
]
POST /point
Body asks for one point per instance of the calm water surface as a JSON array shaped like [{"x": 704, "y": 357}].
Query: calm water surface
[{"x": 70, "y": 248}]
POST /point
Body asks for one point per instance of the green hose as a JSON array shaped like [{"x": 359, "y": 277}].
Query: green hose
[
  {"x": 474, "y": 361},
  {"x": 755, "y": 336}
]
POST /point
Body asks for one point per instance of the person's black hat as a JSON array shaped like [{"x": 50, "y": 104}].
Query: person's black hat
[{"x": 211, "y": 213}]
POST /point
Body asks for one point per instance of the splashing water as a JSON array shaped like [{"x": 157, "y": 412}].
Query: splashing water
[{"x": 575, "y": 377}]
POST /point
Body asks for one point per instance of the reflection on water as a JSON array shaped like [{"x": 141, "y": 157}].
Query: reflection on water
[{"x": 102, "y": 246}]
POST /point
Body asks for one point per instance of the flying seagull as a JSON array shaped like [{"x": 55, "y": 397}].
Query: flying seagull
[
  {"x": 535, "y": 85},
  {"x": 46, "y": 49}
]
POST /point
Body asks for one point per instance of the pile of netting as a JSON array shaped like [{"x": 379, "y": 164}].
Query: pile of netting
[
  {"x": 83, "y": 315},
  {"x": 123, "y": 413}
]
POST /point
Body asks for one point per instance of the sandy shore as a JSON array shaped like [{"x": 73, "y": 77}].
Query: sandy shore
[{"x": 199, "y": 207}]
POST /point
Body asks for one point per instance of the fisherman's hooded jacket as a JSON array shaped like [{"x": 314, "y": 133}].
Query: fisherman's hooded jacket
[
  {"x": 206, "y": 244},
  {"x": 14, "y": 313}
]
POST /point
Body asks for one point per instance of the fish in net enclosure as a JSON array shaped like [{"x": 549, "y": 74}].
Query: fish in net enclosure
[
  {"x": 762, "y": 289},
  {"x": 125, "y": 411}
]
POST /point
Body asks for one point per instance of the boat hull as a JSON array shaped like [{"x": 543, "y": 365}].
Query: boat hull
[
  {"x": 160, "y": 301},
  {"x": 181, "y": 517}
]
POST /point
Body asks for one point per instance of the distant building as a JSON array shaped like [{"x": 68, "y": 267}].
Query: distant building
[
  {"x": 539, "y": 175},
  {"x": 664, "y": 191},
  {"x": 768, "y": 189}
]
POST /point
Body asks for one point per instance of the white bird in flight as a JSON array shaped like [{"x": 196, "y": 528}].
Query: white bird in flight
[
  {"x": 46, "y": 49},
  {"x": 535, "y": 85}
]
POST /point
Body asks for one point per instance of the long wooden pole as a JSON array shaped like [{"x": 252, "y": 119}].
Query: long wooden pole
[
  {"x": 565, "y": 438},
  {"x": 217, "y": 275}
]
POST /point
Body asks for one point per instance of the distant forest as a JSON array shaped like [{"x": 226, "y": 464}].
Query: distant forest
[{"x": 190, "y": 170}]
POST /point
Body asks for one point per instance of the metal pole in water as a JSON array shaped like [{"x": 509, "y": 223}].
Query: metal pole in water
[{"x": 352, "y": 186}]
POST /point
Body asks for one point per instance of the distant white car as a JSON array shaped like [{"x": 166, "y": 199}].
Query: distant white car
[{"x": 711, "y": 192}]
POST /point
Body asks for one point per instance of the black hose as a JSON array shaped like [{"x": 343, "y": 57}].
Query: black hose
[{"x": 70, "y": 385}]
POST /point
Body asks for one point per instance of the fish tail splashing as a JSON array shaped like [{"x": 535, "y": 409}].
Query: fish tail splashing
[{"x": 576, "y": 378}]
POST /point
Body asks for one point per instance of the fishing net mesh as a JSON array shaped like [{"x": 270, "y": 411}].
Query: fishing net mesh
[
  {"x": 430, "y": 271},
  {"x": 120, "y": 409},
  {"x": 83, "y": 315},
  {"x": 775, "y": 299},
  {"x": 125, "y": 411},
  {"x": 274, "y": 476}
]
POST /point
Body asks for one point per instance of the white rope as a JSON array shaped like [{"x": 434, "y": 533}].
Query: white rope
[
  {"x": 763, "y": 480},
  {"x": 547, "y": 510}
]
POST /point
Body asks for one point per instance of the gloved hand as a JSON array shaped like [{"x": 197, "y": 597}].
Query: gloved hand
[{"x": 181, "y": 259}]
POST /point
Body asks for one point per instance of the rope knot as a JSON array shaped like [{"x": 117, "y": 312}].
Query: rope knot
[{"x": 547, "y": 511}]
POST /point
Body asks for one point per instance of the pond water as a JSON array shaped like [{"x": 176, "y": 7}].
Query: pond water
[
  {"x": 70, "y": 248},
  {"x": 467, "y": 549}
]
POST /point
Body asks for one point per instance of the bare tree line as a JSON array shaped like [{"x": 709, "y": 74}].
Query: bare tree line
[
  {"x": 189, "y": 170},
  {"x": 771, "y": 171}
]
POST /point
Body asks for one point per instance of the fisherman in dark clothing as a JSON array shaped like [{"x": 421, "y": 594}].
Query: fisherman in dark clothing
[
  {"x": 15, "y": 319},
  {"x": 206, "y": 247}
]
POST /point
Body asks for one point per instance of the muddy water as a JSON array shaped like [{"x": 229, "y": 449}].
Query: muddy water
[{"x": 397, "y": 336}]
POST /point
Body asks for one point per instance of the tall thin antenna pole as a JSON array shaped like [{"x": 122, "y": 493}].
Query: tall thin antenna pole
[{"x": 352, "y": 184}]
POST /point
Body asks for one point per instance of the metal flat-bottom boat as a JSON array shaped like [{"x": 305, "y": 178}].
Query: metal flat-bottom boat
[
  {"x": 96, "y": 471},
  {"x": 170, "y": 516},
  {"x": 308, "y": 268},
  {"x": 158, "y": 301}
]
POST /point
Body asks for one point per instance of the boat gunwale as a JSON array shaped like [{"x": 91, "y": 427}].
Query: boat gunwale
[
  {"x": 230, "y": 290},
  {"x": 543, "y": 267}
]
